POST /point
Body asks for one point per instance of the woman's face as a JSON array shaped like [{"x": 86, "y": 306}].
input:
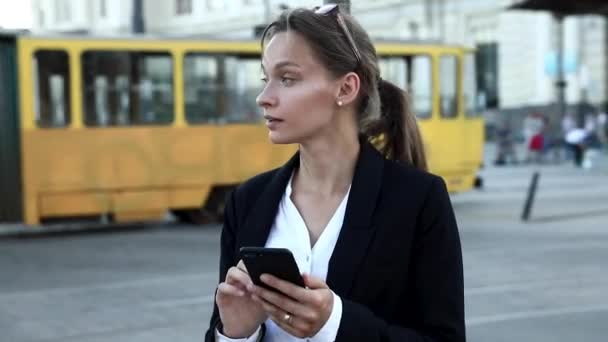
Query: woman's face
[{"x": 300, "y": 96}]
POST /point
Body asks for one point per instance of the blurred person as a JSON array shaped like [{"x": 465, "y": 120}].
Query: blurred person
[
  {"x": 568, "y": 124},
  {"x": 591, "y": 143},
  {"x": 505, "y": 151},
  {"x": 575, "y": 140},
  {"x": 535, "y": 148},
  {"x": 552, "y": 142},
  {"x": 592, "y": 140},
  {"x": 532, "y": 127},
  {"x": 374, "y": 232},
  {"x": 602, "y": 129},
  {"x": 528, "y": 128}
]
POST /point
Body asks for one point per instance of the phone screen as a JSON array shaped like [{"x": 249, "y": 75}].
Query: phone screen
[{"x": 278, "y": 262}]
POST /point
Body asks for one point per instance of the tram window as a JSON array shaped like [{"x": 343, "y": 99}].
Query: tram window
[
  {"x": 222, "y": 89},
  {"x": 124, "y": 88},
  {"x": 448, "y": 72},
  {"x": 421, "y": 86},
  {"x": 52, "y": 88},
  {"x": 474, "y": 103},
  {"x": 414, "y": 75},
  {"x": 394, "y": 70}
]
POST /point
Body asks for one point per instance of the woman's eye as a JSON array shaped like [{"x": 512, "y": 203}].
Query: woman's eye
[
  {"x": 264, "y": 79},
  {"x": 287, "y": 81}
]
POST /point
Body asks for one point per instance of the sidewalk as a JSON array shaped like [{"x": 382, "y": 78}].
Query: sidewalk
[
  {"x": 599, "y": 159},
  {"x": 565, "y": 195}
]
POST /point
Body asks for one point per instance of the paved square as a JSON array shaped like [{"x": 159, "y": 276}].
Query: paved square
[{"x": 544, "y": 280}]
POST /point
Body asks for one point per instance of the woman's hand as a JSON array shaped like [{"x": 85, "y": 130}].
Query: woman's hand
[
  {"x": 240, "y": 315},
  {"x": 301, "y": 312}
]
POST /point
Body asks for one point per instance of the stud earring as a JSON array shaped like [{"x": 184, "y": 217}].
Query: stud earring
[{"x": 340, "y": 103}]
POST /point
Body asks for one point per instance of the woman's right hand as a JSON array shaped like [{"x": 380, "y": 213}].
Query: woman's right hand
[{"x": 240, "y": 315}]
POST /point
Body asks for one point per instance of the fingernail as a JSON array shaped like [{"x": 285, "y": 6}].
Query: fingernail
[{"x": 264, "y": 278}]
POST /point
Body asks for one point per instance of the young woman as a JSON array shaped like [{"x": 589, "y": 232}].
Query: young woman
[{"x": 372, "y": 231}]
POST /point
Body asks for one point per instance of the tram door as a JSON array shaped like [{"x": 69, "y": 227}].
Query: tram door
[
  {"x": 449, "y": 129},
  {"x": 473, "y": 106},
  {"x": 10, "y": 169}
]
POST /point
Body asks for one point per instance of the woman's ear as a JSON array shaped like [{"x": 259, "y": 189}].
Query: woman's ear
[{"x": 350, "y": 85}]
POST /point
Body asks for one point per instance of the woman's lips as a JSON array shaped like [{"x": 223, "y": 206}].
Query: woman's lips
[{"x": 272, "y": 122}]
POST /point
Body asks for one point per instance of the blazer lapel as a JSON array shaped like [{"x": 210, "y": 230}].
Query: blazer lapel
[
  {"x": 260, "y": 218},
  {"x": 357, "y": 229}
]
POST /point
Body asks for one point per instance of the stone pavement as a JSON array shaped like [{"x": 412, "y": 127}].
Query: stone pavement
[{"x": 543, "y": 280}]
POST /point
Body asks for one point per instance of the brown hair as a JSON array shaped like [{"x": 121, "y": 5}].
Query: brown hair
[{"x": 384, "y": 113}]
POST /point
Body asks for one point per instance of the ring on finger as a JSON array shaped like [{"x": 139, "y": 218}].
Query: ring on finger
[{"x": 287, "y": 318}]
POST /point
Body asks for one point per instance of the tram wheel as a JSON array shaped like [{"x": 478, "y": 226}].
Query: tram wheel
[
  {"x": 195, "y": 216},
  {"x": 211, "y": 212}
]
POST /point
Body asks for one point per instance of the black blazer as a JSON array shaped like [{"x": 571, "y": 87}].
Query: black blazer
[{"x": 397, "y": 264}]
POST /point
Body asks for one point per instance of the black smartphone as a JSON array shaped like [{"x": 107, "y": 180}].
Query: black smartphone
[{"x": 278, "y": 262}]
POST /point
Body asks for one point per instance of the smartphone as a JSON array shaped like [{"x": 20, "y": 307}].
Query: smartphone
[{"x": 278, "y": 262}]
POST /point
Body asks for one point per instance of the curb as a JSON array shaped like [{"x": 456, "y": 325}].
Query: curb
[{"x": 19, "y": 230}]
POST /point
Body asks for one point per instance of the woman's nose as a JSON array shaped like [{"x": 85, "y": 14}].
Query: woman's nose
[{"x": 265, "y": 99}]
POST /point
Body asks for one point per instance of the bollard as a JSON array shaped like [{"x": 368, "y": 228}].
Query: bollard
[{"x": 525, "y": 215}]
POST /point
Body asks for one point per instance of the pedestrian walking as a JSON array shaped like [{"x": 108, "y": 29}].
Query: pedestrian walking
[{"x": 505, "y": 149}]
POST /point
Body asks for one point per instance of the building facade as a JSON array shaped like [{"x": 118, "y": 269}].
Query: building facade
[{"x": 516, "y": 50}]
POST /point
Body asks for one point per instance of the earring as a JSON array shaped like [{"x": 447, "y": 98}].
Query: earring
[{"x": 340, "y": 103}]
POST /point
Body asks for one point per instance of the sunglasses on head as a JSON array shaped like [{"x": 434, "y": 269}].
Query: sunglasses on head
[{"x": 334, "y": 9}]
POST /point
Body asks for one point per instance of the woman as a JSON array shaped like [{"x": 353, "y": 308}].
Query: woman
[{"x": 373, "y": 233}]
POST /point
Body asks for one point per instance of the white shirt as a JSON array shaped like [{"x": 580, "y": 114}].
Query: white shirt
[
  {"x": 576, "y": 136},
  {"x": 602, "y": 119},
  {"x": 289, "y": 231}
]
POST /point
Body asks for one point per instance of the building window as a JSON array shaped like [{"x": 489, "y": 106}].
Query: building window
[
  {"x": 414, "y": 75},
  {"x": 41, "y": 21},
  {"x": 216, "y": 4},
  {"x": 51, "y": 88},
  {"x": 62, "y": 11},
  {"x": 122, "y": 88},
  {"x": 103, "y": 12},
  {"x": 183, "y": 7},
  {"x": 394, "y": 70}
]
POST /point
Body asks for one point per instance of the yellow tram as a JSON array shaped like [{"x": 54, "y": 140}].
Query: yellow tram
[{"x": 133, "y": 127}]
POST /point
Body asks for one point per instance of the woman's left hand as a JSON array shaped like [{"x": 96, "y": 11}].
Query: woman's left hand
[{"x": 301, "y": 312}]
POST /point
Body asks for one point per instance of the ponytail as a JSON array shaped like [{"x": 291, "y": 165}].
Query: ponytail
[{"x": 397, "y": 129}]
